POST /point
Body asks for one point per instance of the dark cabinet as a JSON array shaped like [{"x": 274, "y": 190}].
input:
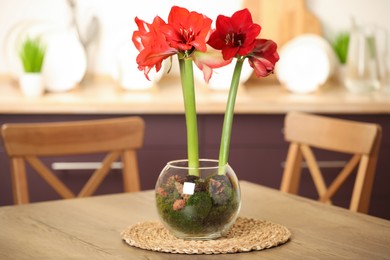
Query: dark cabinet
[{"x": 257, "y": 154}]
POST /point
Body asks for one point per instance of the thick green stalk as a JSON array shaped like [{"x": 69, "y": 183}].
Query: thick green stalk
[
  {"x": 187, "y": 82},
  {"x": 228, "y": 119}
]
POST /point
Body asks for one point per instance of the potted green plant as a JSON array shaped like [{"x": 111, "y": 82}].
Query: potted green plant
[
  {"x": 32, "y": 54},
  {"x": 340, "y": 46}
]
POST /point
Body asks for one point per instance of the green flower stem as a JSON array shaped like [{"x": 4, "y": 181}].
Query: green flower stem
[
  {"x": 228, "y": 119},
  {"x": 187, "y": 82}
]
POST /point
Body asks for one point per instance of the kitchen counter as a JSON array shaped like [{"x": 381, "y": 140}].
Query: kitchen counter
[{"x": 264, "y": 96}]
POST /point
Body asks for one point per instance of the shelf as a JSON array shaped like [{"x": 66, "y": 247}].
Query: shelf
[{"x": 263, "y": 96}]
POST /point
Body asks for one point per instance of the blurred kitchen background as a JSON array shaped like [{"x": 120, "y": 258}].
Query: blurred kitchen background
[{"x": 107, "y": 25}]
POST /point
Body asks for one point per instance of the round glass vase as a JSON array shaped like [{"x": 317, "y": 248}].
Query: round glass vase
[{"x": 198, "y": 203}]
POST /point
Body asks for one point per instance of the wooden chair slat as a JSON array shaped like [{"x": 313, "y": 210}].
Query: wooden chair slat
[
  {"x": 98, "y": 176},
  {"x": 50, "y": 177},
  {"x": 341, "y": 177},
  {"x": 315, "y": 171}
]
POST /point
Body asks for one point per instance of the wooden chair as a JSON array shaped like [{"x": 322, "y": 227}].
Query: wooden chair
[
  {"x": 362, "y": 140},
  {"x": 120, "y": 137}
]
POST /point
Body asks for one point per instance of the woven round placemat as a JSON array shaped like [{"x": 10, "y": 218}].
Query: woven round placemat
[{"x": 247, "y": 234}]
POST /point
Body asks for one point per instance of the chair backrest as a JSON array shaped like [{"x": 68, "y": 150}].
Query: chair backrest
[
  {"x": 361, "y": 140},
  {"x": 118, "y": 138}
]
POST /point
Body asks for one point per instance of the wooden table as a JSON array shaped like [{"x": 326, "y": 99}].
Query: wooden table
[{"x": 89, "y": 228}]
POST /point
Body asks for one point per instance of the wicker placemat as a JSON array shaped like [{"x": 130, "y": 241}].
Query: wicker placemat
[{"x": 247, "y": 234}]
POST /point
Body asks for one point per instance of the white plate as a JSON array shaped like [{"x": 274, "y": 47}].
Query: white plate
[{"x": 306, "y": 62}]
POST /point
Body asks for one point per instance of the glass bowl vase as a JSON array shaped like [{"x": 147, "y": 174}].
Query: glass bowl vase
[{"x": 198, "y": 203}]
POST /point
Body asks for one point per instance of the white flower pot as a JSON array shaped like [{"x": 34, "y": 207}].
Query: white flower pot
[{"x": 31, "y": 84}]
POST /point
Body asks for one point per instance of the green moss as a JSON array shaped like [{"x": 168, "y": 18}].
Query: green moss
[
  {"x": 214, "y": 203},
  {"x": 198, "y": 206}
]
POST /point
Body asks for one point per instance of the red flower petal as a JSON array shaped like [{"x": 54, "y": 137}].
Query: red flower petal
[
  {"x": 235, "y": 35},
  {"x": 264, "y": 57},
  {"x": 152, "y": 45},
  {"x": 189, "y": 29},
  {"x": 241, "y": 19}
]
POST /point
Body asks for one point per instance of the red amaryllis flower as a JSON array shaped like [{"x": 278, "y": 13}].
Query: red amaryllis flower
[
  {"x": 235, "y": 35},
  {"x": 263, "y": 57},
  {"x": 187, "y": 30},
  {"x": 152, "y": 44}
]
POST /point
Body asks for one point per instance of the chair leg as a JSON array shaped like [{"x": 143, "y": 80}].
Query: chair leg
[
  {"x": 19, "y": 181},
  {"x": 361, "y": 194},
  {"x": 131, "y": 180},
  {"x": 292, "y": 170}
]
